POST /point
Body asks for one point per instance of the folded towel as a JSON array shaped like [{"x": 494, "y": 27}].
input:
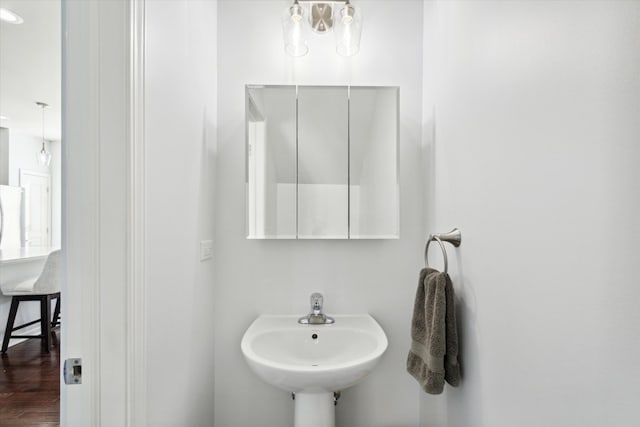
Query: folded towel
[{"x": 433, "y": 357}]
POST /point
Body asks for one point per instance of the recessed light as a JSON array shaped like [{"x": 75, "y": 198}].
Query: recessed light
[{"x": 10, "y": 17}]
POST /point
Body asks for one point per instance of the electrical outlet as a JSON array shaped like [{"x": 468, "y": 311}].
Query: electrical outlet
[{"x": 206, "y": 250}]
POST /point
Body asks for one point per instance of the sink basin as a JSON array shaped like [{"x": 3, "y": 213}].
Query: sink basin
[
  {"x": 313, "y": 358},
  {"x": 313, "y": 361}
]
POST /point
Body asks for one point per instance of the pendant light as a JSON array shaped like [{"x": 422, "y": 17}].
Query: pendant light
[{"x": 44, "y": 156}]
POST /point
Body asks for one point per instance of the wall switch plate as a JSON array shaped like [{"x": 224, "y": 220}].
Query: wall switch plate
[{"x": 206, "y": 250}]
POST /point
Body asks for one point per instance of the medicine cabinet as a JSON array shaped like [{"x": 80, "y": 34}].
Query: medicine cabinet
[{"x": 322, "y": 162}]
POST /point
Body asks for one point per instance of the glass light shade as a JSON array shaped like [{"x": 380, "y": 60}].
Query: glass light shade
[
  {"x": 295, "y": 43},
  {"x": 348, "y": 29},
  {"x": 10, "y": 17},
  {"x": 44, "y": 157}
]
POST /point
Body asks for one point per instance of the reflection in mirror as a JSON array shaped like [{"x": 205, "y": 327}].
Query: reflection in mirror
[
  {"x": 271, "y": 162},
  {"x": 373, "y": 163},
  {"x": 323, "y": 163}
]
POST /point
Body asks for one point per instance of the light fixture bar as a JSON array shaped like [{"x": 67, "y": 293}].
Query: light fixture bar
[{"x": 321, "y": 17}]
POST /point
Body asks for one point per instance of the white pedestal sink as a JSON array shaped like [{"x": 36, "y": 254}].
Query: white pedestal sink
[{"x": 313, "y": 361}]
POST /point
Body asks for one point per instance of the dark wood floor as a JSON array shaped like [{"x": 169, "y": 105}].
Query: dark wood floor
[{"x": 30, "y": 385}]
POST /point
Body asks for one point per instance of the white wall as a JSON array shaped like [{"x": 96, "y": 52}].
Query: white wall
[
  {"x": 180, "y": 135},
  {"x": 536, "y": 150},
  {"x": 23, "y": 154},
  {"x": 254, "y": 277}
]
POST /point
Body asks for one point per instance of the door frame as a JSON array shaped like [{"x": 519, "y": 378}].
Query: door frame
[{"x": 103, "y": 212}]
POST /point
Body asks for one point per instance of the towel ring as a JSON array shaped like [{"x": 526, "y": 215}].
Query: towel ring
[
  {"x": 454, "y": 237},
  {"x": 444, "y": 253}
]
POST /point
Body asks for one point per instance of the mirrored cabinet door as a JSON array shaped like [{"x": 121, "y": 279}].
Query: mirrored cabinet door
[
  {"x": 322, "y": 162},
  {"x": 271, "y": 162},
  {"x": 373, "y": 163},
  {"x": 323, "y": 137}
]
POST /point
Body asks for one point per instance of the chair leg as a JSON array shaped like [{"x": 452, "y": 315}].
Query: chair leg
[
  {"x": 45, "y": 321},
  {"x": 56, "y": 313},
  {"x": 10, "y": 322}
]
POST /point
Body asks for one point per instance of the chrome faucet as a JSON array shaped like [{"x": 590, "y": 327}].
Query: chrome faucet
[{"x": 316, "y": 316}]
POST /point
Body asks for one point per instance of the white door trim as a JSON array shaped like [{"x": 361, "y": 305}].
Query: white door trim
[
  {"x": 103, "y": 204},
  {"x": 136, "y": 307},
  {"x": 79, "y": 404},
  {"x": 22, "y": 172}
]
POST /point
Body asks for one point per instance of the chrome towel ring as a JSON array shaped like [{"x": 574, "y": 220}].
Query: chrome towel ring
[{"x": 454, "y": 237}]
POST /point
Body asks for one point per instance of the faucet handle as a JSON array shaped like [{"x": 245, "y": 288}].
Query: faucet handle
[
  {"x": 316, "y": 317},
  {"x": 316, "y": 302}
]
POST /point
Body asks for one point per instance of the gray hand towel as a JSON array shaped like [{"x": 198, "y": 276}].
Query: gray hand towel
[{"x": 433, "y": 357}]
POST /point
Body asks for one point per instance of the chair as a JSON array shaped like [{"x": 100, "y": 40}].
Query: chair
[{"x": 45, "y": 288}]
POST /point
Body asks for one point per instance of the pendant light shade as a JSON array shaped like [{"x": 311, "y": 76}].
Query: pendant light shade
[
  {"x": 44, "y": 156},
  {"x": 295, "y": 43},
  {"x": 348, "y": 29}
]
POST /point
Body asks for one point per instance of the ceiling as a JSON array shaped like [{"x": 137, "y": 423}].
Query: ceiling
[{"x": 30, "y": 68}]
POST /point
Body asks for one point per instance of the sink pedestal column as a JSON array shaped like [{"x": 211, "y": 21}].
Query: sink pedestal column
[{"x": 314, "y": 410}]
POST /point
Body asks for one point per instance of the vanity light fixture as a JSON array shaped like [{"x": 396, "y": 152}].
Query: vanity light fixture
[
  {"x": 10, "y": 17},
  {"x": 44, "y": 156},
  {"x": 339, "y": 16}
]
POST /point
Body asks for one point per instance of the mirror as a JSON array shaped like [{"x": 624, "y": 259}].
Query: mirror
[
  {"x": 322, "y": 162},
  {"x": 373, "y": 163},
  {"x": 271, "y": 162},
  {"x": 323, "y": 167}
]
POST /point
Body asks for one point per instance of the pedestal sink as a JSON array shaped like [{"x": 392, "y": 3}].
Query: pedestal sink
[{"x": 313, "y": 361}]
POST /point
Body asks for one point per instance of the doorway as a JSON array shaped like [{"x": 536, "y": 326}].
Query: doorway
[{"x": 30, "y": 164}]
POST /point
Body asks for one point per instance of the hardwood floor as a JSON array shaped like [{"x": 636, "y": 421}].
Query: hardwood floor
[{"x": 30, "y": 385}]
